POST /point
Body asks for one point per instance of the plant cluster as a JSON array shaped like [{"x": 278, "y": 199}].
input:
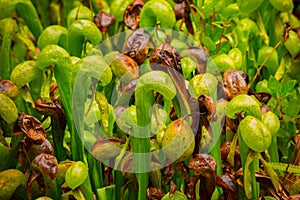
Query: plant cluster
[{"x": 149, "y": 99}]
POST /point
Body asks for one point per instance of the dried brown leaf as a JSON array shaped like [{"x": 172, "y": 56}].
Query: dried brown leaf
[
  {"x": 9, "y": 89},
  {"x": 205, "y": 167},
  {"x": 132, "y": 14},
  {"x": 234, "y": 83},
  {"x": 46, "y": 164},
  {"x": 103, "y": 20},
  {"x": 32, "y": 128},
  {"x": 137, "y": 45},
  {"x": 154, "y": 193},
  {"x": 165, "y": 56}
]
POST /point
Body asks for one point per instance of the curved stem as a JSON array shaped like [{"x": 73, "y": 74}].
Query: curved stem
[
  {"x": 162, "y": 83},
  {"x": 79, "y": 30},
  {"x": 243, "y": 103},
  {"x": 157, "y": 11},
  {"x": 91, "y": 68},
  {"x": 25, "y": 73},
  {"x": 27, "y": 11},
  {"x": 54, "y": 34},
  {"x": 8, "y": 28},
  {"x": 67, "y": 7},
  {"x": 56, "y": 57}
]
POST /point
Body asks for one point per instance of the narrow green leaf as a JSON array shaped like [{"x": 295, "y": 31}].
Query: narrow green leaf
[
  {"x": 106, "y": 192},
  {"x": 270, "y": 170},
  {"x": 231, "y": 154},
  {"x": 104, "y": 109},
  {"x": 247, "y": 173}
]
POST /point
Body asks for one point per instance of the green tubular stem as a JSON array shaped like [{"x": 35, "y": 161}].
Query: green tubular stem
[
  {"x": 157, "y": 11},
  {"x": 67, "y": 7},
  {"x": 25, "y": 10},
  {"x": 51, "y": 187},
  {"x": 19, "y": 101},
  {"x": 78, "y": 31},
  {"x": 162, "y": 83},
  {"x": 35, "y": 87},
  {"x": 254, "y": 167},
  {"x": 95, "y": 5},
  {"x": 43, "y": 11},
  {"x": 273, "y": 150},
  {"x": 19, "y": 51},
  {"x": 15, "y": 145},
  {"x": 244, "y": 149},
  {"x": 54, "y": 34},
  {"x": 59, "y": 59},
  {"x": 122, "y": 153},
  {"x": 216, "y": 153},
  {"x": 45, "y": 88},
  {"x": 140, "y": 146},
  {"x": 89, "y": 68},
  {"x": 118, "y": 7},
  {"x": 8, "y": 28},
  {"x": 251, "y": 187},
  {"x": 86, "y": 189},
  {"x": 119, "y": 181},
  {"x": 58, "y": 139},
  {"x": 95, "y": 171}
]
